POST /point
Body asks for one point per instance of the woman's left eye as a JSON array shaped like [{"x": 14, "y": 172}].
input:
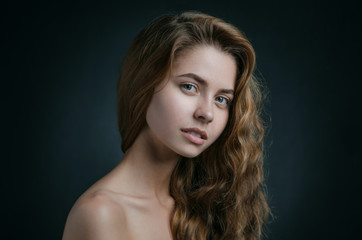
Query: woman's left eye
[
  {"x": 188, "y": 87},
  {"x": 223, "y": 100}
]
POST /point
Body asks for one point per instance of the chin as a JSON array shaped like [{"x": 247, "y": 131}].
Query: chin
[{"x": 190, "y": 154}]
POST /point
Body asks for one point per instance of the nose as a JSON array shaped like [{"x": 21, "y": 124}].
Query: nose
[{"x": 204, "y": 112}]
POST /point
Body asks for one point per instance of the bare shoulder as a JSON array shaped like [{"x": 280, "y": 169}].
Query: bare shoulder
[{"x": 96, "y": 216}]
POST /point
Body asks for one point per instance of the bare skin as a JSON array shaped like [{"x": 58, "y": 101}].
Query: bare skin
[
  {"x": 185, "y": 116},
  {"x": 130, "y": 202}
]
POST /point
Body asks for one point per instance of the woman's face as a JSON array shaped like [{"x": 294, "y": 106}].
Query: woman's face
[{"x": 189, "y": 111}]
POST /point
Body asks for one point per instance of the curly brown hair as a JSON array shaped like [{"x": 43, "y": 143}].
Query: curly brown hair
[{"x": 218, "y": 194}]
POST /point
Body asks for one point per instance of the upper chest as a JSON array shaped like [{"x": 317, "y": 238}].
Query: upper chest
[{"x": 148, "y": 221}]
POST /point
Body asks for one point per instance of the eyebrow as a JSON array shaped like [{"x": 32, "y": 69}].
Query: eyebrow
[{"x": 203, "y": 82}]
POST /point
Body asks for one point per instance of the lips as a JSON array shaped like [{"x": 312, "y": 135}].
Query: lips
[
  {"x": 195, "y": 135},
  {"x": 196, "y": 132}
]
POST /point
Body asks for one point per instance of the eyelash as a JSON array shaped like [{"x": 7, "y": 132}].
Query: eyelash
[
  {"x": 187, "y": 84},
  {"x": 228, "y": 102}
]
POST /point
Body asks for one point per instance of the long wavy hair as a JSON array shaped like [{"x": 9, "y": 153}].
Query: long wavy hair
[{"x": 218, "y": 194}]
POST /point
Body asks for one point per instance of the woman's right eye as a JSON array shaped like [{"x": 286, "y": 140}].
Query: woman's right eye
[{"x": 188, "y": 87}]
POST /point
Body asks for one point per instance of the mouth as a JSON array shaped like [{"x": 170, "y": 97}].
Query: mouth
[
  {"x": 195, "y": 135},
  {"x": 195, "y": 132}
]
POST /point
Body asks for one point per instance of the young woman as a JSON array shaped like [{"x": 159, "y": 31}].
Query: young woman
[{"x": 192, "y": 138}]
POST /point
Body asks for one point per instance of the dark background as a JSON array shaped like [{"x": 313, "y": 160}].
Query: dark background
[{"x": 60, "y": 69}]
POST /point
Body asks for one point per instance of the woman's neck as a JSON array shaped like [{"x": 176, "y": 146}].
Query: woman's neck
[{"x": 147, "y": 166}]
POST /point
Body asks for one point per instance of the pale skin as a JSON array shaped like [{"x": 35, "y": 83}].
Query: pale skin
[{"x": 133, "y": 201}]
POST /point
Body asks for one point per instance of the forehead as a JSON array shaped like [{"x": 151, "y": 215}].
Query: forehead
[{"x": 209, "y": 63}]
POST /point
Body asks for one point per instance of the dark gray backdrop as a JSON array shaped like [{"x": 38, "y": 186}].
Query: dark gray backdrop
[{"x": 61, "y": 65}]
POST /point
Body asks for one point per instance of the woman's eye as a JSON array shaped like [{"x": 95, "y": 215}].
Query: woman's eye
[
  {"x": 223, "y": 100},
  {"x": 188, "y": 87}
]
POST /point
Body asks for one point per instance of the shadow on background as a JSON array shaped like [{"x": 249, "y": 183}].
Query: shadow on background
[{"x": 60, "y": 72}]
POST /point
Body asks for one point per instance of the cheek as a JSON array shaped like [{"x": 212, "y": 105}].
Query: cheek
[
  {"x": 155, "y": 116},
  {"x": 175, "y": 104},
  {"x": 220, "y": 123},
  {"x": 164, "y": 111}
]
